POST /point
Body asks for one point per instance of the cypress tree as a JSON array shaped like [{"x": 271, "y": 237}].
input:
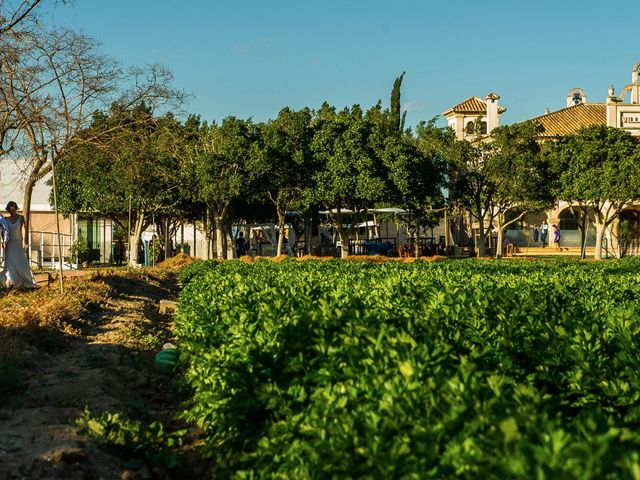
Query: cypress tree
[{"x": 397, "y": 121}]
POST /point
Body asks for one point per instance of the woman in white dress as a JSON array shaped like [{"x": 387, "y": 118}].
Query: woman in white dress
[{"x": 17, "y": 271}]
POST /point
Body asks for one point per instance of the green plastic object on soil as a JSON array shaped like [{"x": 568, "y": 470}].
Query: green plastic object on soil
[{"x": 167, "y": 359}]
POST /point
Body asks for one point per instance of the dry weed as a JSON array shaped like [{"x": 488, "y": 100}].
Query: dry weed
[{"x": 179, "y": 261}]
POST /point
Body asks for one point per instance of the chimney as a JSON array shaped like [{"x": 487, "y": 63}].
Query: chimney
[{"x": 493, "y": 120}]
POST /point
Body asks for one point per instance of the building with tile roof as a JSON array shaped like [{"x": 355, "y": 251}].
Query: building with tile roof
[
  {"x": 618, "y": 111},
  {"x": 474, "y": 116}
]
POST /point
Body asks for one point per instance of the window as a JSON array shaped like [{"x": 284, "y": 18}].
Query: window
[
  {"x": 483, "y": 127},
  {"x": 470, "y": 128},
  {"x": 568, "y": 220}
]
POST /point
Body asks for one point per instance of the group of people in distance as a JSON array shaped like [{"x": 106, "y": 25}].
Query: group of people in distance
[
  {"x": 544, "y": 233},
  {"x": 16, "y": 271}
]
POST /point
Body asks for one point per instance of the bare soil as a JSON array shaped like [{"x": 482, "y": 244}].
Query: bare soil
[{"x": 105, "y": 364}]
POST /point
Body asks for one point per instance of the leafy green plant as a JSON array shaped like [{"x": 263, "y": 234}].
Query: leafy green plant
[
  {"x": 139, "y": 443},
  {"x": 80, "y": 250},
  {"x": 464, "y": 369},
  {"x": 156, "y": 249}
]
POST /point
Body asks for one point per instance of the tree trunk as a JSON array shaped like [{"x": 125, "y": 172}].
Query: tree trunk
[
  {"x": 583, "y": 235},
  {"x": 134, "y": 239},
  {"x": 221, "y": 254},
  {"x": 207, "y": 233},
  {"x": 26, "y": 210},
  {"x": 308, "y": 227},
  {"x": 482, "y": 239},
  {"x": 499, "y": 252},
  {"x": 344, "y": 242},
  {"x": 417, "y": 242},
  {"x": 600, "y": 229},
  {"x": 167, "y": 238},
  {"x": 225, "y": 243},
  {"x": 281, "y": 219}
]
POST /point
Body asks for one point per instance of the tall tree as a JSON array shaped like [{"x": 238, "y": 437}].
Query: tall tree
[
  {"x": 598, "y": 167},
  {"x": 283, "y": 170},
  {"x": 50, "y": 82},
  {"x": 350, "y": 176},
  {"x": 221, "y": 156},
  {"x": 523, "y": 182},
  {"x": 416, "y": 170},
  {"x": 130, "y": 168},
  {"x": 397, "y": 118},
  {"x": 491, "y": 179}
]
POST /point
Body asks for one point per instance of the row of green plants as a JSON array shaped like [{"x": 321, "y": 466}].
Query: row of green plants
[{"x": 466, "y": 369}]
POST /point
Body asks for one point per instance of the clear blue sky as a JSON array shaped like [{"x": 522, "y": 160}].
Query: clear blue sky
[{"x": 251, "y": 58}]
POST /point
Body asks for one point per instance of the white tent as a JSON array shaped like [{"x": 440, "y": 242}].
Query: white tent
[{"x": 389, "y": 210}]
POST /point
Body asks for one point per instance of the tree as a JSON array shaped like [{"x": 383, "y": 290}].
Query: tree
[
  {"x": 221, "y": 156},
  {"x": 416, "y": 172},
  {"x": 131, "y": 168},
  {"x": 598, "y": 167},
  {"x": 490, "y": 179},
  {"x": 397, "y": 118},
  {"x": 523, "y": 182},
  {"x": 50, "y": 82},
  {"x": 14, "y": 14},
  {"x": 283, "y": 170},
  {"x": 469, "y": 185},
  {"x": 350, "y": 174}
]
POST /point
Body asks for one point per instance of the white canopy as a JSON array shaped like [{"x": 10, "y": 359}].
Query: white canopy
[
  {"x": 393, "y": 210},
  {"x": 335, "y": 210},
  {"x": 367, "y": 224}
]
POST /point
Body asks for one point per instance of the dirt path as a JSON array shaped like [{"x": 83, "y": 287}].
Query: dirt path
[{"x": 109, "y": 367}]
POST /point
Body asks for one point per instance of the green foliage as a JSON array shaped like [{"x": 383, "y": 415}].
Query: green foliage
[
  {"x": 138, "y": 443},
  {"x": 156, "y": 249},
  {"x": 396, "y": 118},
  {"x": 80, "y": 250},
  {"x": 628, "y": 233},
  {"x": 463, "y": 369},
  {"x": 598, "y": 167},
  {"x": 597, "y": 164},
  {"x": 123, "y": 156}
]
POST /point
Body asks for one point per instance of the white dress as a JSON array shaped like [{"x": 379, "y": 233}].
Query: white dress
[{"x": 17, "y": 271}]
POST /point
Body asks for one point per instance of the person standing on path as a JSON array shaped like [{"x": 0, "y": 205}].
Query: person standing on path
[
  {"x": 17, "y": 271},
  {"x": 544, "y": 231},
  {"x": 556, "y": 237},
  {"x": 241, "y": 246}
]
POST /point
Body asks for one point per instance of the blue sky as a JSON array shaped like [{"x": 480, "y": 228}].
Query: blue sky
[{"x": 251, "y": 58}]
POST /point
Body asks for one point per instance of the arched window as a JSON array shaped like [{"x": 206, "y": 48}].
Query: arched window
[
  {"x": 470, "y": 128},
  {"x": 483, "y": 127},
  {"x": 630, "y": 216},
  {"x": 568, "y": 220}
]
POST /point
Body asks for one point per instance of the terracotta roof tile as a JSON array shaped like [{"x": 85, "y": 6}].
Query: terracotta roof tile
[
  {"x": 571, "y": 119},
  {"x": 472, "y": 105}
]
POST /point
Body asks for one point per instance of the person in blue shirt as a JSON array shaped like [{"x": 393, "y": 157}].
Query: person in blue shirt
[
  {"x": 4, "y": 227},
  {"x": 4, "y": 236}
]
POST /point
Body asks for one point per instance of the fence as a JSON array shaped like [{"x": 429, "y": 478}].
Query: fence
[{"x": 44, "y": 250}]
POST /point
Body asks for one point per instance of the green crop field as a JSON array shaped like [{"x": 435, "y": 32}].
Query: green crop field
[{"x": 467, "y": 369}]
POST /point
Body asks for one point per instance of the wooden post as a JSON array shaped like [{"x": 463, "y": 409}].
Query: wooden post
[
  {"x": 446, "y": 231},
  {"x": 55, "y": 207},
  {"x": 129, "y": 234}
]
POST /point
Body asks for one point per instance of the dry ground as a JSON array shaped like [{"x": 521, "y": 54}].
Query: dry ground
[{"x": 93, "y": 346}]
